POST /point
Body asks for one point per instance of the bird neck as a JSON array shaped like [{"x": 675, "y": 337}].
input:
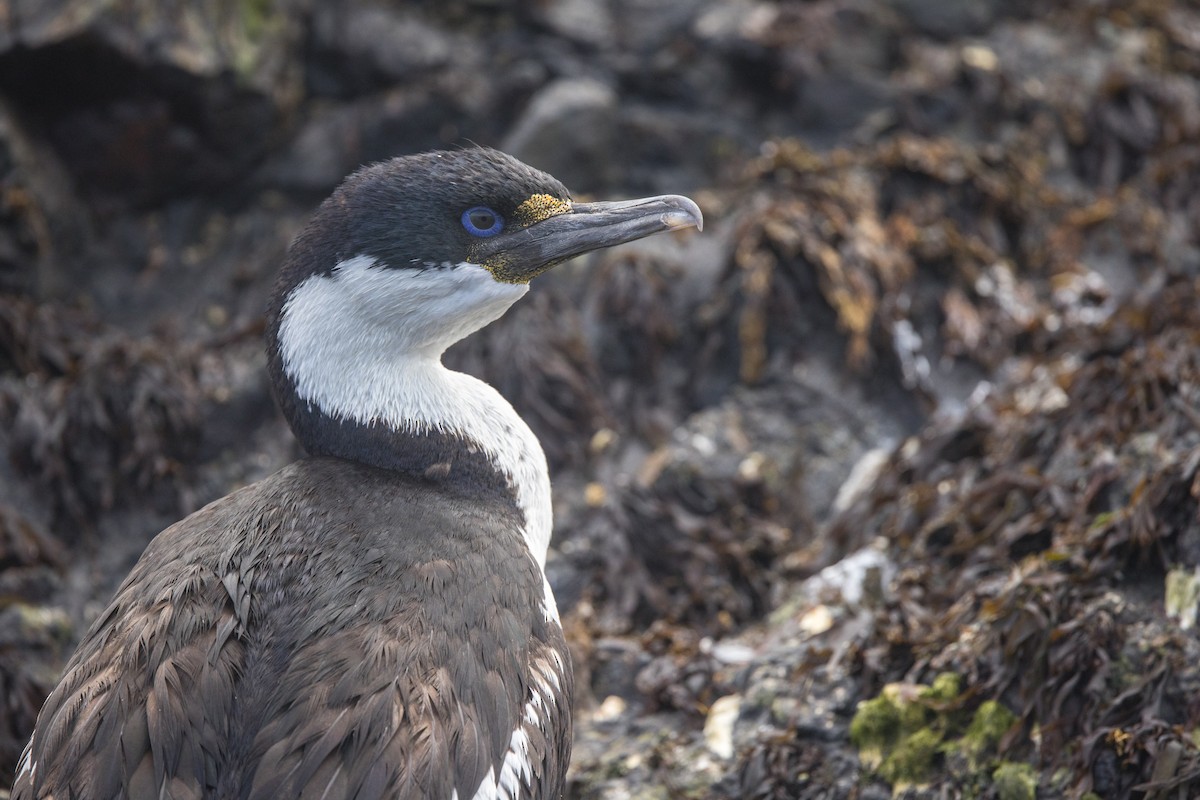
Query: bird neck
[
  {"x": 384, "y": 398},
  {"x": 428, "y": 421}
]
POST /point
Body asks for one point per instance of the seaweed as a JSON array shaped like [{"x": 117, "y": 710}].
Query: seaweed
[{"x": 96, "y": 418}]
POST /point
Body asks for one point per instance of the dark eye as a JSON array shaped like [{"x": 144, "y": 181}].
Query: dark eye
[{"x": 482, "y": 221}]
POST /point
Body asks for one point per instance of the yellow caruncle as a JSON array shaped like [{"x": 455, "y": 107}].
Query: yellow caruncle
[{"x": 539, "y": 207}]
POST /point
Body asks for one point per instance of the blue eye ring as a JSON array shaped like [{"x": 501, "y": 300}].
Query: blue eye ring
[{"x": 482, "y": 221}]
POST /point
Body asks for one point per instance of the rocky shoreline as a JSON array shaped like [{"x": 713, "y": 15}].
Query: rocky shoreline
[{"x": 887, "y": 484}]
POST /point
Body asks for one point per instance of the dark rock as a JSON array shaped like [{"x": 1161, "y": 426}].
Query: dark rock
[
  {"x": 358, "y": 48},
  {"x": 42, "y": 223},
  {"x": 34, "y": 644},
  {"x": 568, "y": 129},
  {"x": 141, "y": 105},
  {"x": 947, "y": 20},
  {"x": 651, "y": 29},
  {"x": 35, "y": 635},
  {"x": 617, "y": 667}
]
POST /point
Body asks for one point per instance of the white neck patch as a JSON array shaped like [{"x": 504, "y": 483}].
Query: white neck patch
[{"x": 365, "y": 344}]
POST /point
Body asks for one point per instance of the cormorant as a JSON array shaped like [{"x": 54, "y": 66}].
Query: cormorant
[{"x": 373, "y": 620}]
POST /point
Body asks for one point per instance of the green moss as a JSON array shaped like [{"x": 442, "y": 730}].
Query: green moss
[
  {"x": 1013, "y": 781},
  {"x": 875, "y": 728},
  {"x": 989, "y": 724},
  {"x": 911, "y": 761},
  {"x": 908, "y": 732},
  {"x": 914, "y": 713},
  {"x": 945, "y": 688},
  {"x": 899, "y": 733}
]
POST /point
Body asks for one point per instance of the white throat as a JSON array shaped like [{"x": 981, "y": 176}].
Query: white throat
[{"x": 365, "y": 343}]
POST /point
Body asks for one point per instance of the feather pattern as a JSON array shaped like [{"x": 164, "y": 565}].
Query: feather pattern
[{"x": 428, "y": 667}]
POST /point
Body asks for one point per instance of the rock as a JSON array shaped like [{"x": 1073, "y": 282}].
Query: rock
[
  {"x": 567, "y": 129},
  {"x": 946, "y": 20},
  {"x": 1182, "y": 595},
  {"x": 615, "y": 665},
  {"x": 43, "y": 226},
  {"x": 35, "y": 634},
  {"x": 141, "y": 104},
  {"x": 718, "y": 725},
  {"x": 35, "y": 642},
  {"x": 363, "y": 47},
  {"x": 583, "y": 21},
  {"x": 652, "y": 29},
  {"x": 335, "y": 140}
]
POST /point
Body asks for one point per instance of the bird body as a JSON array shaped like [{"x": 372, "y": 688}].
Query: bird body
[
  {"x": 409, "y": 656},
  {"x": 374, "y": 620}
]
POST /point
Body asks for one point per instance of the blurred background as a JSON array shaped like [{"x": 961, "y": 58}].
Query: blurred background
[{"x": 886, "y": 484}]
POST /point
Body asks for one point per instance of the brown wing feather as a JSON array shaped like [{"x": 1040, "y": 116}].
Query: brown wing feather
[{"x": 346, "y": 663}]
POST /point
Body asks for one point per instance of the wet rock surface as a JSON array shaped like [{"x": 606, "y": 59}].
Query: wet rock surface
[{"x": 884, "y": 485}]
